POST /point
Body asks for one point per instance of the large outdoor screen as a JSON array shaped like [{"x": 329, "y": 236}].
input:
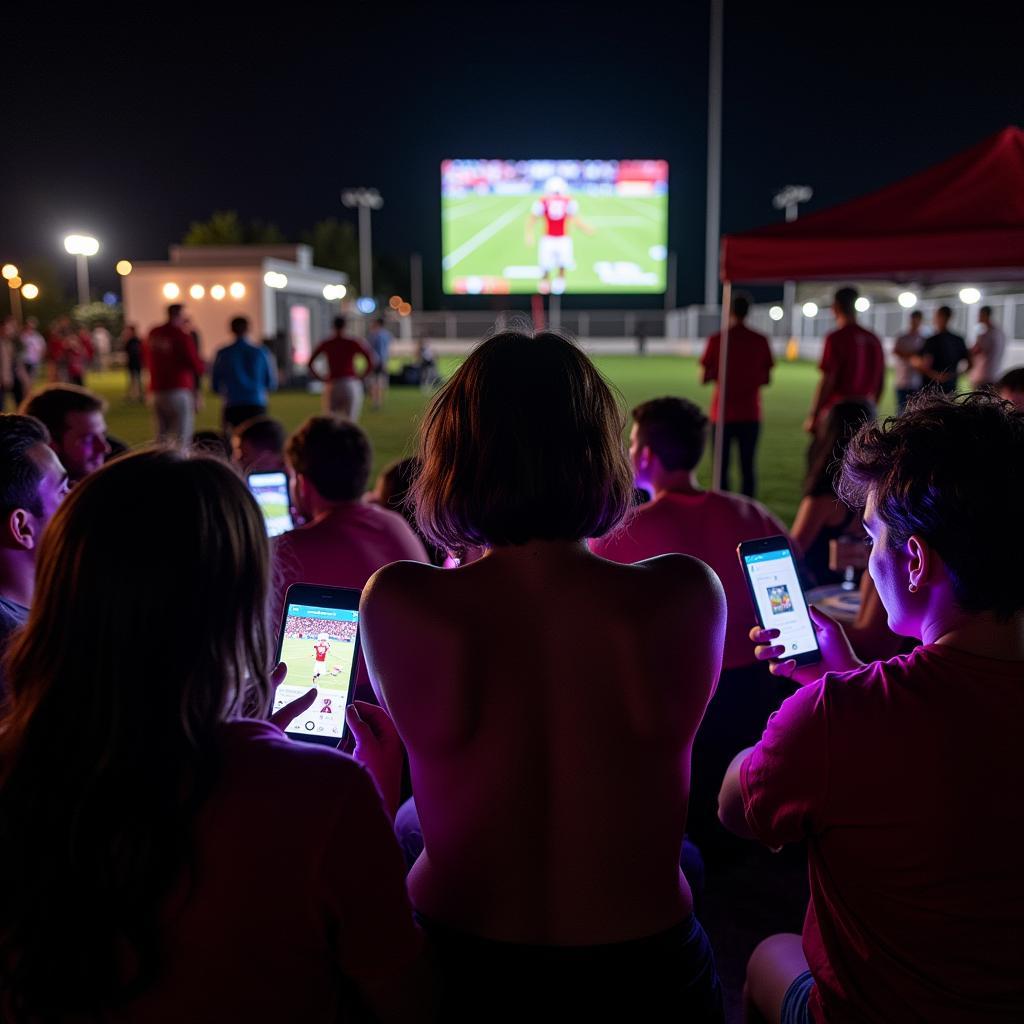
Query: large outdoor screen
[{"x": 554, "y": 226}]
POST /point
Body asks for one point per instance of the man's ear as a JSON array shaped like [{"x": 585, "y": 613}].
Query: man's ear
[{"x": 21, "y": 530}]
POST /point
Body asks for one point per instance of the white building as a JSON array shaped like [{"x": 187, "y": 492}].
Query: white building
[{"x": 277, "y": 287}]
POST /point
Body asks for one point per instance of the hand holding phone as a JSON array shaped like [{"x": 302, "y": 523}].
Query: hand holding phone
[{"x": 836, "y": 653}]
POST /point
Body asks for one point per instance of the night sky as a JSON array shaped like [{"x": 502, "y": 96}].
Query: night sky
[{"x": 129, "y": 124}]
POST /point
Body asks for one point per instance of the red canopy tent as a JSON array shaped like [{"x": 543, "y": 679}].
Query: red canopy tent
[{"x": 963, "y": 218}]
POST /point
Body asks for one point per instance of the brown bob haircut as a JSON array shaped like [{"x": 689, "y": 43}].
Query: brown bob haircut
[{"x": 523, "y": 443}]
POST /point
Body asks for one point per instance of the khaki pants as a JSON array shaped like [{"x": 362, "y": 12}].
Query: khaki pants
[
  {"x": 175, "y": 416},
  {"x": 344, "y": 396}
]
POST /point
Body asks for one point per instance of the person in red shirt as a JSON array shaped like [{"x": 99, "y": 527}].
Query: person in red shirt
[
  {"x": 558, "y": 210},
  {"x": 904, "y": 777},
  {"x": 667, "y": 441},
  {"x": 750, "y": 369},
  {"x": 852, "y": 362},
  {"x": 174, "y": 369},
  {"x": 344, "y": 391}
]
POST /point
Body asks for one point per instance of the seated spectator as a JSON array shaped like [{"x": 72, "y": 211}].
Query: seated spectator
[
  {"x": 211, "y": 442},
  {"x": 257, "y": 446},
  {"x": 666, "y": 444},
  {"x": 75, "y": 419},
  {"x": 821, "y": 516},
  {"x": 548, "y": 701},
  {"x": 32, "y": 484},
  {"x": 903, "y": 776},
  {"x": 1011, "y": 386},
  {"x": 392, "y": 491},
  {"x": 167, "y": 856},
  {"x": 344, "y": 540}
]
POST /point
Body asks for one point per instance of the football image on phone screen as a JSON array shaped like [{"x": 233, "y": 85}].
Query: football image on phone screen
[{"x": 319, "y": 648}]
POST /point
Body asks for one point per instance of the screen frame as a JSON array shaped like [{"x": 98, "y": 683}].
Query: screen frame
[
  {"x": 779, "y": 542},
  {"x": 591, "y": 298},
  {"x": 287, "y": 493},
  {"x": 345, "y": 599}
]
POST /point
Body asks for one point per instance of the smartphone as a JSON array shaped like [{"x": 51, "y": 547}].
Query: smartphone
[
  {"x": 319, "y": 643},
  {"x": 770, "y": 572},
  {"x": 271, "y": 493}
]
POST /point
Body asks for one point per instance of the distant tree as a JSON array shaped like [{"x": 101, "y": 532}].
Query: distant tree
[
  {"x": 335, "y": 246},
  {"x": 96, "y": 313},
  {"x": 226, "y": 228}
]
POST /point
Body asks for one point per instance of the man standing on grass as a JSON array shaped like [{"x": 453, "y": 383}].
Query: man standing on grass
[
  {"x": 243, "y": 373},
  {"x": 174, "y": 370},
  {"x": 852, "y": 362},
  {"x": 344, "y": 391},
  {"x": 750, "y": 369}
]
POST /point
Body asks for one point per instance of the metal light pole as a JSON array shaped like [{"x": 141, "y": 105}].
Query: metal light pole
[
  {"x": 789, "y": 199},
  {"x": 714, "y": 194},
  {"x": 365, "y": 200},
  {"x": 10, "y": 275},
  {"x": 82, "y": 247}
]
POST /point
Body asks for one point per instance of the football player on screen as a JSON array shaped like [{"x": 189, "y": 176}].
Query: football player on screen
[{"x": 554, "y": 254}]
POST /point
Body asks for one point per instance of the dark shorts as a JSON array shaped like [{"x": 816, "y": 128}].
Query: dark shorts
[
  {"x": 236, "y": 415},
  {"x": 795, "y": 1003},
  {"x": 670, "y": 976}
]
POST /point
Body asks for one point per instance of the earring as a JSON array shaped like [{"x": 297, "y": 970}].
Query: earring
[{"x": 912, "y": 588}]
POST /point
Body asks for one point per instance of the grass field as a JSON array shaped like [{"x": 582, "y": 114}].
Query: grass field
[
  {"x": 485, "y": 237},
  {"x": 392, "y": 430}
]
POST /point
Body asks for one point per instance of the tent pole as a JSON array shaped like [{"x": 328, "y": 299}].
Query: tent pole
[{"x": 723, "y": 361}]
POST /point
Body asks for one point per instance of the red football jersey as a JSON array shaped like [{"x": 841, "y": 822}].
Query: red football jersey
[
  {"x": 556, "y": 211},
  {"x": 321, "y": 651}
]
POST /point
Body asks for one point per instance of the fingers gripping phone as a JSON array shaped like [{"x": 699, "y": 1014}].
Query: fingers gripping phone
[
  {"x": 770, "y": 572},
  {"x": 271, "y": 493},
  {"x": 319, "y": 643}
]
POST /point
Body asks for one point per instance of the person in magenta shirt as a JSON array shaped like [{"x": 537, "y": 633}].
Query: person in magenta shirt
[
  {"x": 904, "y": 777},
  {"x": 852, "y": 362},
  {"x": 169, "y": 854},
  {"x": 344, "y": 391},
  {"x": 174, "y": 367},
  {"x": 750, "y": 369}
]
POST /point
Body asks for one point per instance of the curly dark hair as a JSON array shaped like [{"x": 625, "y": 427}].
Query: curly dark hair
[{"x": 949, "y": 471}]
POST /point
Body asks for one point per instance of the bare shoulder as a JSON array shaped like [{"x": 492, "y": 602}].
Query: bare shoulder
[
  {"x": 400, "y": 583},
  {"x": 680, "y": 580}
]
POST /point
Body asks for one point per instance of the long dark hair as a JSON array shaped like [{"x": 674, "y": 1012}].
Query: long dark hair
[{"x": 148, "y": 630}]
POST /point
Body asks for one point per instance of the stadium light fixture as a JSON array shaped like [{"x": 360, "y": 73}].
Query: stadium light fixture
[
  {"x": 404, "y": 309},
  {"x": 862, "y": 305},
  {"x": 9, "y": 271},
  {"x": 776, "y": 313},
  {"x": 809, "y": 310},
  {"x": 82, "y": 247},
  {"x": 364, "y": 200},
  {"x": 908, "y": 300},
  {"x": 124, "y": 267},
  {"x": 15, "y": 283},
  {"x": 171, "y": 291},
  {"x": 272, "y": 279},
  {"x": 970, "y": 296},
  {"x": 30, "y": 291}
]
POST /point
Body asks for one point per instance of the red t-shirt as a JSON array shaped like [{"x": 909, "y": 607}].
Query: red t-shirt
[
  {"x": 707, "y": 526},
  {"x": 906, "y": 780},
  {"x": 341, "y": 352},
  {"x": 855, "y": 355},
  {"x": 171, "y": 359},
  {"x": 750, "y": 368},
  {"x": 298, "y": 884}
]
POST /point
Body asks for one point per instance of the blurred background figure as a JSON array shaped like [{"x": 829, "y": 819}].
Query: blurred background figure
[
  {"x": 987, "y": 351},
  {"x": 133, "y": 362},
  {"x": 379, "y": 339},
  {"x": 906, "y": 347}
]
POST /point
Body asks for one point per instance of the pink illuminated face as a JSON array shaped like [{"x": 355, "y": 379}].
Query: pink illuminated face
[
  {"x": 890, "y": 570},
  {"x": 636, "y": 457}
]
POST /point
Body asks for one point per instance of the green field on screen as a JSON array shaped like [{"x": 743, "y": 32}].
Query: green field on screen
[
  {"x": 484, "y": 237},
  {"x": 297, "y": 653}
]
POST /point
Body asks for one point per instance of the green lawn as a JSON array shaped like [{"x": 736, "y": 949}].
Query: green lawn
[
  {"x": 485, "y": 236},
  {"x": 781, "y": 454}
]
